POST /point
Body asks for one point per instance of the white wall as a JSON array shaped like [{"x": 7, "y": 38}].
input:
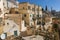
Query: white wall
[
  {"x": 11, "y": 27},
  {"x": 11, "y": 5},
  {"x": 1, "y": 6},
  {"x": 23, "y": 28}
]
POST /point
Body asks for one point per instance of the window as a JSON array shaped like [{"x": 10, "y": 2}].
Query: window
[
  {"x": 30, "y": 15},
  {"x": 29, "y": 7},
  {"x": 25, "y": 24},
  {"x": 43, "y": 23},
  {"x": 24, "y": 15},
  {"x": 15, "y": 33},
  {"x": 33, "y": 15},
  {"x": 38, "y": 22},
  {"x": 5, "y": 35},
  {"x": 10, "y": 12},
  {"x": 38, "y": 15},
  {"x": 33, "y": 9},
  {"x": 16, "y": 12},
  {"x": 7, "y": 23}
]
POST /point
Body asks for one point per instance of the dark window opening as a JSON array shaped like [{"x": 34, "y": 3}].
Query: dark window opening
[
  {"x": 5, "y": 35},
  {"x": 10, "y": 12},
  {"x": 28, "y": 7},
  {"x": 7, "y": 23},
  {"x": 30, "y": 15},
  {"x": 26, "y": 23},
  {"x": 43, "y": 23},
  {"x": 15, "y": 33},
  {"x": 38, "y": 23},
  {"x": 16, "y": 12},
  {"x": 24, "y": 15},
  {"x": 38, "y": 15}
]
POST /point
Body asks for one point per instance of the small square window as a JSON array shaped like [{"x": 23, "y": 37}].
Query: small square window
[
  {"x": 7, "y": 23},
  {"x": 24, "y": 15}
]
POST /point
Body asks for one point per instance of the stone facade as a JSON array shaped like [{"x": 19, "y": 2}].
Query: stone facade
[
  {"x": 29, "y": 11},
  {"x": 13, "y": 19}
]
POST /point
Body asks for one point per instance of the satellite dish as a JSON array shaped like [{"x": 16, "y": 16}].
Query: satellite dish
[{"x": 3, "y": 36}]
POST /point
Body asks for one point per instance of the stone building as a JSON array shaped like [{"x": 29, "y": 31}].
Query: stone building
[
  {"x": 30, "y": 11},
  {"x": 5, "y": 5},
  {"x": 13, "y": 23}
]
